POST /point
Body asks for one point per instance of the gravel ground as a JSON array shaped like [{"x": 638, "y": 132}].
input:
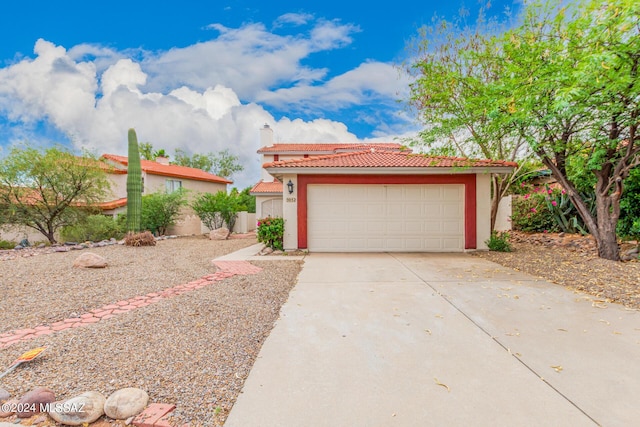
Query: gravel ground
[
  {"x": 572, "y": 262},
  {"x": 194, "y": 350}
]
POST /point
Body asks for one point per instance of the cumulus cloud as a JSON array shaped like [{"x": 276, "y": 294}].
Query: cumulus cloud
[
  {"x": 369, "y": 82},
  {"x": 202, "y": 98}
]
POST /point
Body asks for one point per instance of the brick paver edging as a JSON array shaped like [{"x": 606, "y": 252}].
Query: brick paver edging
[{"x": 225, "y": 269}]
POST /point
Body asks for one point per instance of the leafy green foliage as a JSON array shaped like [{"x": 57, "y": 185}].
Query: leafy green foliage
[
  {"x": 161, "y": 210},
  {"x": 217, "y": 209},
  {"x": 134, "y": 184},
  {"x": 94, "y": 228},
  {"x": 565, "y": 81},
  {"x": 530, "y": 213},
  {"x": 246, "y": 201},
  {"x": 49, "y": 189},
  {"x": 271, "y": 232},
  {"x": 5, "y": 244},
  {"x": 499, "y": 242},
  {"x": 456, "y": 78},
  {"x": 629, "y": 225},
  {"x": 223, "y": 163}
]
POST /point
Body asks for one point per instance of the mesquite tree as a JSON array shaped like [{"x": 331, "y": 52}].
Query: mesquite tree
[
  {"x": 49, "y": 189},
  {"x": 134, "y": 185},
  {"x": 565, "y": 80},
  {"x": 573, "y": 78},
  {"x": 454, "y": 69}
]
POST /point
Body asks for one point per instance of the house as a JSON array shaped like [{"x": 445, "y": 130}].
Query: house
[
  {"x": 268, "y": 190},
  {"x": 158, "y": 176},
  {"x": 378, "y": 198}
]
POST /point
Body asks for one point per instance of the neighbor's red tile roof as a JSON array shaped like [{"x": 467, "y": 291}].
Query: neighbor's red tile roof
[
  {"x": 155, "y": 168},
  {"x": 385, "y": 159},
  {"x": 267, "y": 187},
  {"x": 113, "y": 204},
  {"x": 329, "y": 148}
]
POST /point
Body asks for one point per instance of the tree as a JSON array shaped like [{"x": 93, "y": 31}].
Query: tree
[
  {"x": 217, "y": 209},
  {"x": 454, "y": 72},
  {"x": 146, "y": 151},
  {"x": 247, "y": 201},
  {"x": 161, "y": 210},
  {"x": 223, "y": 163},
  {"x": 566, "y": 82},
  {"x": 573, "y": 81},
  {"x": 48, "y": 189}
]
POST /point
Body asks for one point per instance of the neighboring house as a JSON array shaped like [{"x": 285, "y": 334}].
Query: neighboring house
[
  {"x": 162, "y": 176},
  {"x": 379, "y": 198}
]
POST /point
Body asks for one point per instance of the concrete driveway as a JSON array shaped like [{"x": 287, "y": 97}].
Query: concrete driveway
[{"x": 441, "y": 340}]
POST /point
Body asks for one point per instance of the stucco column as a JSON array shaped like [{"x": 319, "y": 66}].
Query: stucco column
[
  {"x": 483, "y": 209},
  {"x": 290, "y": 212}
]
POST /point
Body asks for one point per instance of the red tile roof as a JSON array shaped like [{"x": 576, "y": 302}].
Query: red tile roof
[
  {"x": 155, "y": 168},
  {"x": 274, "y": 187},
  {"x": 386, "y": 159},
  {"x": 328, "y": 148},
  {"x": 113, "y": 204}
]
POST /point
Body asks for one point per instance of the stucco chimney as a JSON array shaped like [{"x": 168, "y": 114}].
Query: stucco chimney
[
  {"x": 266, "y": 136},
  {"x": 162, "y": 160}
]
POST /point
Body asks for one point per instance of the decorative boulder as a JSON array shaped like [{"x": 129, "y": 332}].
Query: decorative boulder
[
  {"x": 90, "y": 260},
  {"x": 7, "y": 409},
  {"x": 30, "y": 403},
  {"x": 85, "y": 408},
  {"x": 219, "y": 234},
  {"x": 125, "y": 403}
]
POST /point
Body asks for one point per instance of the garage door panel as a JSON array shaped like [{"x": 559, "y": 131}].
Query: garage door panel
[
  {"x": 451, "y": 192},
  {"x": 374, "y": 218}
]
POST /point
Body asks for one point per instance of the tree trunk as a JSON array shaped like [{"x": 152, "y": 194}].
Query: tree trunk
[
  {"x": 496, "y": 196},
  {"x": 607, "y": 213}
]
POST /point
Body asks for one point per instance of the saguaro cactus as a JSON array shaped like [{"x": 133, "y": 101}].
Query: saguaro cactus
[{"x": 134, "y": 185}]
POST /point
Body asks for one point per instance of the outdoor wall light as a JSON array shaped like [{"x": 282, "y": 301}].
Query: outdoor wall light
[{"x": 290, "y": 187}]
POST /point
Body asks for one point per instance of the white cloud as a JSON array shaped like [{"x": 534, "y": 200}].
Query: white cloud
[
  {"x": 295, "y": 19},
  {"x": 369, "y": 82},
  {"x": 202, "y": 98}
]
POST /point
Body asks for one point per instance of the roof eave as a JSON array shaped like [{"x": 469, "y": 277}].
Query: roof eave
[
  {"x": 263, "y": 193},
  {"x": 279, "y": 171},
  {"x": 193, "y": 178}
]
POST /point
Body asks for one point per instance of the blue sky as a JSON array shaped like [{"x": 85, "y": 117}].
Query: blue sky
[{"x": 206, "y": 75}]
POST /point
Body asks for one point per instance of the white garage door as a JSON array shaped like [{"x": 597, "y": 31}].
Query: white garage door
[{"x": 385, "y": 218}]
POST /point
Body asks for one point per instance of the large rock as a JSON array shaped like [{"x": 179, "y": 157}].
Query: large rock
[
  {"x": 125, "y": 403},
  {"x": 6, "y": 410},
  {"x": 219, "y": 234},
  {"x": 4, "y": 395},
  {"x": 85, "y": 408},
  {"x": 90, "y": 260},
  {"x": 31, "y": 402}
]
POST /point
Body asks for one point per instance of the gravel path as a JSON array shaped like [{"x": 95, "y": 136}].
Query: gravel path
[{"x": 194, "y": 350}]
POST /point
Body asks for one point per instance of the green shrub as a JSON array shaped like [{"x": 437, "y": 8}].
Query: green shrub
[
  {"x": 629, "y": 223},
  {"x": 499, "y": 242},
  {"x": 161, "y": 210},
  {"x": 531, "y": 214},
  {"x": 217, "y": 209},
  {"x": 271, "y": 232},
  {"x": 5, "y": 244},
  {"x": 94, "y": 228}
]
